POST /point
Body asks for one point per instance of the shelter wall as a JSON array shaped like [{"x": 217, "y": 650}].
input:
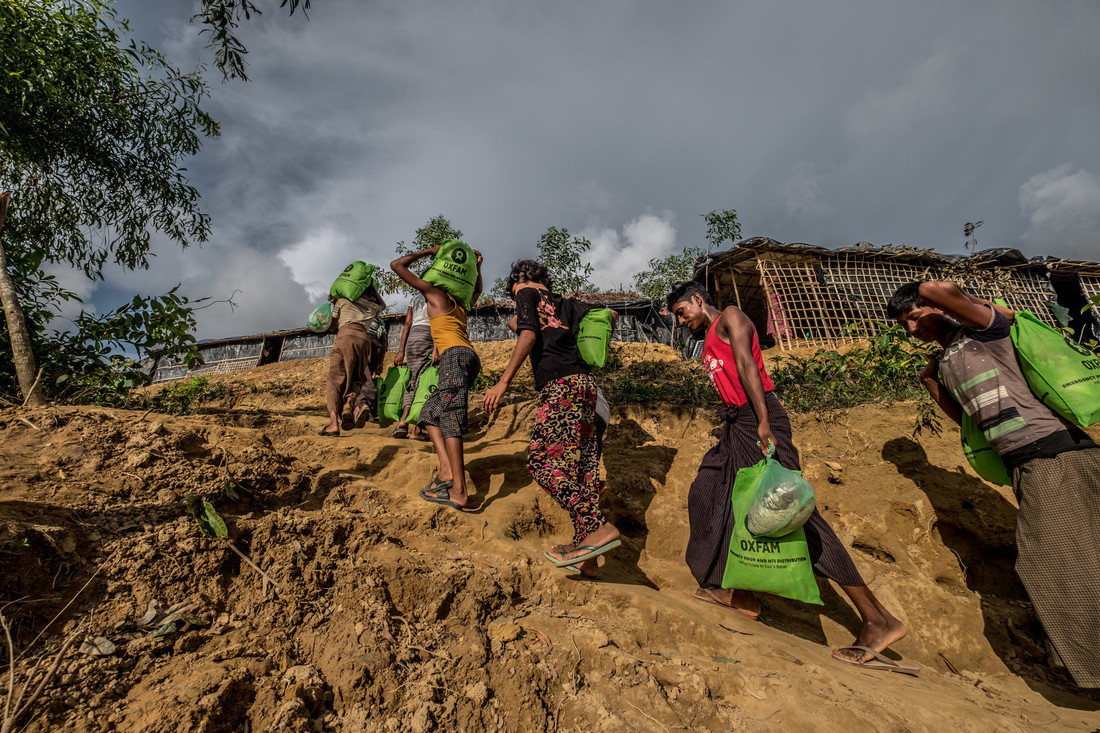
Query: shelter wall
[
  {"x": 636, "y": 323},
  {"x": 806, "y": 299}
]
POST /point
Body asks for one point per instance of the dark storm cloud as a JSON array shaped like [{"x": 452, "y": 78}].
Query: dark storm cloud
[{"x": 827, "y": 122}]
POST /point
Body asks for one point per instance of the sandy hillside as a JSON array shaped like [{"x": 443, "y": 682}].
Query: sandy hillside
[{"x": 377, "y": 611}]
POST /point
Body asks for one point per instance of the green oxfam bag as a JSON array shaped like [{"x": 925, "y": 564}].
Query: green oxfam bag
[
  {"x": 1064, "y": 375},
  {"x": 391, "y": 394},
  {"x": 983, "y": 459},
  {"x": 425, "y": 387},
  {"x": 782, "y": 502},
  {"x": 594, "y": 336},
  {"x": 353, "y": 281},
  {"x": 770, "y": 565},
  {"x": 454, "y": 271},
  {"x": 320, "y": 319}
]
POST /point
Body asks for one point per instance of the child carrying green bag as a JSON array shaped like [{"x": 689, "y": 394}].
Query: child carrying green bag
[
  {"x": 454, "y": 270},
  {"x": 391, "y": 391},
  {"x": 429, "y": 381}
]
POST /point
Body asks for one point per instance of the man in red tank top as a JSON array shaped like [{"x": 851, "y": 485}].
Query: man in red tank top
[{"x": 753, "y": 420}]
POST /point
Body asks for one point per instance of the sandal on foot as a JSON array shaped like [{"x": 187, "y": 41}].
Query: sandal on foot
[
  {"x": 401, "y": 431},
  {"x": 347, "y": 419},
  {"x": 362, "y": 417},
  {"x": 435, "y": 486},
  {"x": 592, "y": 551},
  {"x": 707, "y": 595},
  {"x": 325, "y": 433},
  {"x": 877, "y": 662},
  {"x": 440, "y": 496}
]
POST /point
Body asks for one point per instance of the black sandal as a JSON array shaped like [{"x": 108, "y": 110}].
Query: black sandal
[
  {"x": 362, "y": 416},
  {"x": 435, "y": 486}
]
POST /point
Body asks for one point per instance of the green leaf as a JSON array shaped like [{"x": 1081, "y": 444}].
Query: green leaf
[
  {"x": 164, "y": 630},
  {"x": 214, "y": 523}
]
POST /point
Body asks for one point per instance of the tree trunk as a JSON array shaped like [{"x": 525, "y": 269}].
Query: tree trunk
[{"x": 21, "y": 352}]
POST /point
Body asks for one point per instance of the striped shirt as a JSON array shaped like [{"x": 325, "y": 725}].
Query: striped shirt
[{"x": 980, "y": 371}]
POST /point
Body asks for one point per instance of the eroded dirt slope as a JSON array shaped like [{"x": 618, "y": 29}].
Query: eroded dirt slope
[{"x": 377, "y": 611}]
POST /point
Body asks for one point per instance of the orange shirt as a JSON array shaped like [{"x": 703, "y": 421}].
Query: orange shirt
[{"x": 449, "y": 329}]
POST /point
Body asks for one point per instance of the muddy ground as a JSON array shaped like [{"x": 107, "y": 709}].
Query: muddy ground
[{"x": 353, "y": 605}]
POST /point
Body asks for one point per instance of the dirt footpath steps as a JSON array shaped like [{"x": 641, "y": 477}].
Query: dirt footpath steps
[{"x": 357, "y": 606}]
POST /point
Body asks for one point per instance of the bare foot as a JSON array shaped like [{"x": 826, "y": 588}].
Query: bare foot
[
  {"x": 877, "y": 634},
  {"x": 742, "y": 601},
  {"x": 347, "y": 416}
]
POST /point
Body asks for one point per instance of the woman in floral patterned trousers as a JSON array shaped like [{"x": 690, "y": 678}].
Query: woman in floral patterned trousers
[{"x": 565, "y": 456}]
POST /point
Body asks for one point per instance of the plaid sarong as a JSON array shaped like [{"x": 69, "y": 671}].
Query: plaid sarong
[
  {"x": 1058, "y": 539},
  {"x": 446, "y": 407}
]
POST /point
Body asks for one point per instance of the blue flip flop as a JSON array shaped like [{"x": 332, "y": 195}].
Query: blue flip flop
[{"x": 593, "y": 551}]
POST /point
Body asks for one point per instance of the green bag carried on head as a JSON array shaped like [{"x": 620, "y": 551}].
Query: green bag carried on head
[
  {"x": 320, "y": 319},
  {"x": 1064, "y": 375},
  {"x": 391, "y": 394},
  {"x": 425, "y": 386},
  {"x": 770, "y": 565},
  {"x": 454, "y": 271},
  {"x": 983, "y": 459},
  {"x": 594, "y": 336},
  {"x": 353, "y": 281}
]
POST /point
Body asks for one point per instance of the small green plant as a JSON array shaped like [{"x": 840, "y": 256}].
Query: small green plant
[
  {"x": 928, "y": 417},
  {"x": 210, "y": 522},
  {"x": 234, "y": 489},
  {"x": 280, "y": 389},
  {"x": 15, "y": 544},
  {"x": 658, "y": 383},
  {"x": 885, "y": 371},
  {"x": 486, "y": 379},
  {"x": 181, "y": 397}
]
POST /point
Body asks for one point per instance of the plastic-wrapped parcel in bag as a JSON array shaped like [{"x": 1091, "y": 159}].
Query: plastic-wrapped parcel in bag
[{"x": 783, "y": 501}]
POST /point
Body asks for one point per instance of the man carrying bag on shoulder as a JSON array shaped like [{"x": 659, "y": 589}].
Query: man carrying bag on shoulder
[{"x": 1054, "y": 466}]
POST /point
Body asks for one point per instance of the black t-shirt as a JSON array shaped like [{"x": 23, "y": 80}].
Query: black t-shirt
[{"x": 553, "y": 319}]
